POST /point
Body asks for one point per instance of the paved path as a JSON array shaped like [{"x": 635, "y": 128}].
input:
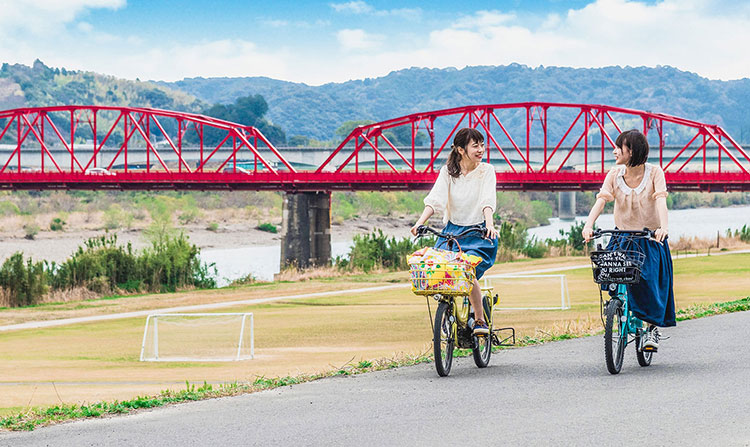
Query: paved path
[{"x": 695, "y": 393}]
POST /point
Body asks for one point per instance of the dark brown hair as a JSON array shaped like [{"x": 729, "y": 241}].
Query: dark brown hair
[
  {"x": 463, "y": 138},
  {"x": 638, "y": 145}
]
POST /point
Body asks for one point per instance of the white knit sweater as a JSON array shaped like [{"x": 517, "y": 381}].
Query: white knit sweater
[{"x": 462, "y": 199}]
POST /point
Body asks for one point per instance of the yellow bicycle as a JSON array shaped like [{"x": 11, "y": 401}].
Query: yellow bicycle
[{"x": 454, "y": 320}]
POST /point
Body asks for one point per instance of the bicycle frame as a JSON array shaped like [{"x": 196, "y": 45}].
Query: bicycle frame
[
  {"x": 460, "y": 310},
  {"x": 631, "y": 323}
]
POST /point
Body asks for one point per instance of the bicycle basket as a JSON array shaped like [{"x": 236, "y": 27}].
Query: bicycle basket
[
  {"x": 617, "y": 266},
  {"x": 446, "y": 278}
]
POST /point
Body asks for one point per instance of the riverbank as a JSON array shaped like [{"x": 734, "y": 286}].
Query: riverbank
[{"x": 59, "y": 245}]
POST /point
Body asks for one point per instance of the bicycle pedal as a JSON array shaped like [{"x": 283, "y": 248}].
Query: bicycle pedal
[{"x": 649, "y": 349}]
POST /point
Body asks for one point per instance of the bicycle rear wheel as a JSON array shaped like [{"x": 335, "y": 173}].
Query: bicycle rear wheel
[
  {"x": 644, "y": 357},
  {"x": 442, "y": 339},
  {"x": 614, "y": 339},
  {"x": 482, "y": 349}
]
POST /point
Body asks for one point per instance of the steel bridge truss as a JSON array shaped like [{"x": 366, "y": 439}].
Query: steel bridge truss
[{"x": 533, "y": 146}]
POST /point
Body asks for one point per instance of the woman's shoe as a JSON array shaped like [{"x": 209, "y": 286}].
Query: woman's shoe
[
  {"x": 481, "y": 328},
  {"x": 651, "y": 343}
]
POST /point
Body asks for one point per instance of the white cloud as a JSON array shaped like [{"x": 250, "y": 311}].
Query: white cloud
[
  {"x": 692, "y": 35},
  {"x": 44, "y": 16},
  {"x": 354, "y": 7},
  {"x": 357, "y": 39},
  {"x": 704, "y": 36},
  {"x": 362, "y": 8}
]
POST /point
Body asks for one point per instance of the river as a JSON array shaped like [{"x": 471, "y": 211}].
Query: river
[{"x": 263, "y": 261}]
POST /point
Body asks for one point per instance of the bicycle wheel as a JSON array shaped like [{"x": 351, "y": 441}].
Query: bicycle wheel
[
  {"x": 614, "y": 339},
  {"x": 482, "y": 349},
  {"x": 442, "y": 339},
  {"x": 644, "y": 358}
]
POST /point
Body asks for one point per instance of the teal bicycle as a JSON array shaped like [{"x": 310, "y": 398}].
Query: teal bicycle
[{"x": 614, "y": 267}]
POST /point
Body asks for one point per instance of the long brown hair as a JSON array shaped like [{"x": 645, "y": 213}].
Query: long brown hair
[{"x": 463, "y": 138}]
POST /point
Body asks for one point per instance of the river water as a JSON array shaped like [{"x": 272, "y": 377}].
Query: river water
[{"x": 263, "y": 261}]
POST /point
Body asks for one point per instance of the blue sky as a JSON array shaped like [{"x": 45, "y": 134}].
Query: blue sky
[{"x": 319, "y": 42}]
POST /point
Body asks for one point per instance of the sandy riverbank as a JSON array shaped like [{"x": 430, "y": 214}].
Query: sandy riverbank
[{"x": 58, "y": 246}]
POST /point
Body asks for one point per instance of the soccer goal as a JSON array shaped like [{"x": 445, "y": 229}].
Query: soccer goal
[
  {"x": 530, "y": 292},
  {"x": 199, "y": 337}
]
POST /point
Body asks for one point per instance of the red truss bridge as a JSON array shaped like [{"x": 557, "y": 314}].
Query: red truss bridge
[{"x": 533, "y": 146}]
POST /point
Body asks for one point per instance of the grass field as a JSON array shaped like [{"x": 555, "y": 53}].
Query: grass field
[{"x": 99, "y": 361}]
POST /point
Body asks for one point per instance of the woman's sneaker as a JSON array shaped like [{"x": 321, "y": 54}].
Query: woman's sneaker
[
  {"x": 481, "y": 328},
  {"x": 651, "y": 343}
]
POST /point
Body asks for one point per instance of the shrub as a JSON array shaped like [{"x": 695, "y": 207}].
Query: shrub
[
  {"x": 23, "y": 282},
  {"x": 535, "y": 249},
  {"x": 8, "y": 208},
  {"x": 114, "y": 217},
  {"x": 213, "y": 226},
  {"x": 190, "y": 215},
  {"x": 102, "y": 266},
  {"x": 268, "y": 227},
  {"x": 376, "y": 250},
  {"x": 30, "y": 230},
  {"x": 744, "y": 233},
  {"x": 57, "y": 224}
]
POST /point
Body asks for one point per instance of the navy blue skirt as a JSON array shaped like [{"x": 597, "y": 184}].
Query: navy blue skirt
[
  {"x": 652, "y": 299},
  {"x": 473, "y": 245}
]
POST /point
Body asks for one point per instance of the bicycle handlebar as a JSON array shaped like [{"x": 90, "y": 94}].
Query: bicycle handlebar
[
  {"x": 645, "y": 233},
  {"x": 424, "y": 229}
]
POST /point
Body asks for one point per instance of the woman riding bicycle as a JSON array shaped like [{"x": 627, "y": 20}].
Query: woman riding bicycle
[
  {"x": 465, "y": 192},
  {"x": 640, "y": 194}
]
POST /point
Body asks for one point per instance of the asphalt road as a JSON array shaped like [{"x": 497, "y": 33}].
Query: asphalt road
[{"x": 696, "y": 392}]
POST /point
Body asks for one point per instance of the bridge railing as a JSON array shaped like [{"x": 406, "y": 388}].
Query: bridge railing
[
  {"x": 532, "y": 145},
  {"x": 564, "y": 132},
  {"x": 134, "y": 139}
]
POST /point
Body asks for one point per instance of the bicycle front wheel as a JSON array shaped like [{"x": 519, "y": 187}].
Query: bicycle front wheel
[
  {"x": 614, "y": 338},
  {"x": 442, "y": 339}
]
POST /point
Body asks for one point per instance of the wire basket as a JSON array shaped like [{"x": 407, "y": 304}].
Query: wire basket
[
  {"x": 446, "y": 278},
  {"x": 617, "y": 266}
]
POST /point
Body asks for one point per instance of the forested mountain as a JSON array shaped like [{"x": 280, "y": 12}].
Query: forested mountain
[
  {"x": 40, "y": 85},
  {"x": 317, "y": 111}
]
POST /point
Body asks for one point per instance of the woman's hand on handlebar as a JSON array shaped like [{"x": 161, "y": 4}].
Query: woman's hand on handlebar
[
  {"x": 415, "y": 228},
  {"x": 660, "y": 234},
  {"x": 587, "y": 233},
  {"x": 491, "y": 232}
]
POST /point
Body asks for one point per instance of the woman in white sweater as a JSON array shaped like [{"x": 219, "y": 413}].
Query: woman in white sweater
[{"x": 465, "y": 192}]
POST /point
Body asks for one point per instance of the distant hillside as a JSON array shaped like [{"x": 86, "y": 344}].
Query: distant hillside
[
  {"x": 317, "y": 111},
  {"x": 41, "y": 85}
]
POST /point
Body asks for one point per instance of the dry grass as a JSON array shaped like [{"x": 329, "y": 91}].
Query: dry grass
[
  {"x": 694, "y": 243},
  {"x": 293, "y": 274}
]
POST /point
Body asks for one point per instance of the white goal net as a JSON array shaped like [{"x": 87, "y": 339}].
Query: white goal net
[
  {"x": 530, "y": 292},
  {"x": 200, "y": 337}
]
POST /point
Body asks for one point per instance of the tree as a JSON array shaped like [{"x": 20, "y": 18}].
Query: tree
[
  {"x": 348, "y": 126},
  {"x": 247, "y": 110}
]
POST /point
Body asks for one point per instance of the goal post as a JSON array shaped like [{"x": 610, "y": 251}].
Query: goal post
[
  {"x": 198, "y": 337},
  {"x": 530, "y": 289}
]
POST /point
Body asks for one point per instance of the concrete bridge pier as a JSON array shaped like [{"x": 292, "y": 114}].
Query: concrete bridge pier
[
  {"x": 566, "y": 205},
  {"x": 306, "y": 229}
]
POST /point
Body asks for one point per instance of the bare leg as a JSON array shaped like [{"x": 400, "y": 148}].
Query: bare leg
[{"x": 476, "y": 301}]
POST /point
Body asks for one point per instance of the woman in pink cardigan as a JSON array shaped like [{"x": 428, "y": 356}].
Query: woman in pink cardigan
[{"x": 639, "y": 191}]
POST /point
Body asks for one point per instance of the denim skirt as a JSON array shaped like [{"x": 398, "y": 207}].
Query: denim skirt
[
  {"x": 473, "y": 245},
  {"x": 652, "y": 299}
]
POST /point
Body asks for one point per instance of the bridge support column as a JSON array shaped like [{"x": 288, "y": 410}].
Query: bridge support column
[
  {"x": 566, "y": 205},
  {"x": 306, "y": 229}
]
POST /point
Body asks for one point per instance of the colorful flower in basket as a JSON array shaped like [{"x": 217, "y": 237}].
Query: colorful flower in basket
[{"x": 432, "y": 256}]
